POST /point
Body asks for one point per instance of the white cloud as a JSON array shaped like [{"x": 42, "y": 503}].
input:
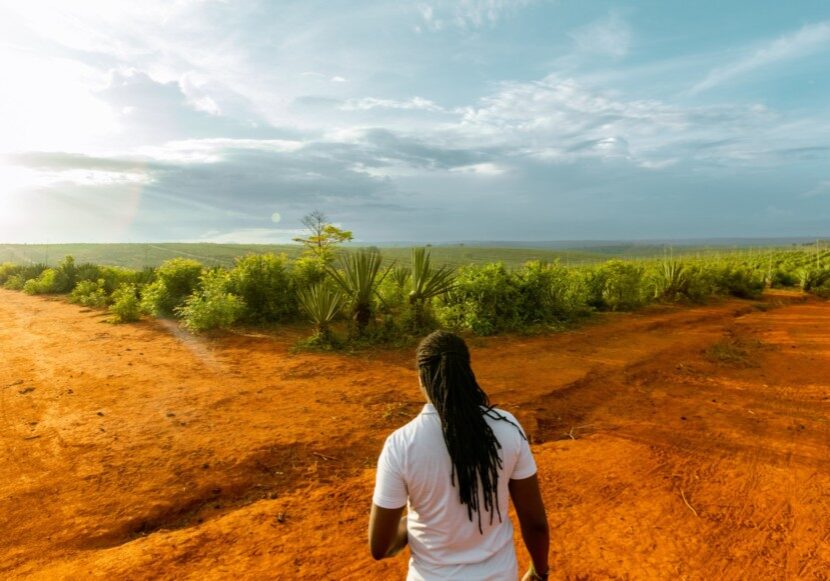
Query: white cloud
[
  {"x": 213, "y": 150},
  {"x": 809, "y": 39},
  {"x": 368, "y": 103},
  {"x": 486, "y": 169},
  {"x": 468, "y": 14},
  {"x": 610, "y": 36}
]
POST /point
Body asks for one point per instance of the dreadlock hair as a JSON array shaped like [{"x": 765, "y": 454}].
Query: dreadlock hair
[{"x": 444, "y": 368}]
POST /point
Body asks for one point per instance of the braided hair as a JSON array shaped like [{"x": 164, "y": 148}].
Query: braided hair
[{"x": 444, "y": 368}]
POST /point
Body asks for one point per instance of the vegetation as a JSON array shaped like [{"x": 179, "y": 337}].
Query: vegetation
[
  {"x": 378, "y": 299},
  {"x": 427, "y": 284},
  {"x": 264, "y": 284},
  {"x": 359, "y": 277},
  {"x": 176, "y": 280},
  {"x": 126, "y": 306},
  {"x": 211, "y": 306},
  {"x": 322, "y": 303},
  {"x": 323, "y": 237}
]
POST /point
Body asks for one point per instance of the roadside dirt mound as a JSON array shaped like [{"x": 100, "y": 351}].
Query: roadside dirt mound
[{"x": 672, "y": 443}]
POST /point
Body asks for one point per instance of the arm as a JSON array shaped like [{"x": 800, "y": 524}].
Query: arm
[
  {"x": 527, "y": 498},
  {"x": 387, "y": 531}
]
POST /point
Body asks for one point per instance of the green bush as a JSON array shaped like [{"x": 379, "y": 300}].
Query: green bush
[
  {"x": 87, "y": 272},
  {"x": 125, "y": 306},
  {"x": 550, "y": 293},
  {"x": 175, "y": 281},
  {"x": 90, "y": 294},
  {"x": 737, "y": 281},
  {"x": 14, "y": 282},
  {"x": 700, "y": 283},
  {"x": 212, "y": 306},
  {"x": 8, "y": 270},
  {"x": 616, "y": 285},
  {"x": 485, "y": 299},
  {"x": 47, "y": 282},
  {"x": 307, "y": 271},
  {"x": 264, "y": 283},
  {"x": 812, "y": 278}
]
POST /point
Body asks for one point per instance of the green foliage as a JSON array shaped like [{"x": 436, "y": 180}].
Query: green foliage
[
  {"x": 90, "y": 293},
  {"x": 811, "y": 278},
  {"x": 14, "y": 282},
  {"x": 125, "y": 306},
  {"x": 264, "y": 283},
  {"x": 175, "y": 280},
  {"x": 670, "y": 280},
  {"x": 484, "y": 299},
  {"x": 550, "y": 293},
  {"x": 308, "y": 271},
  {"x": 427, "y": 283},
  {"x": 47, "y": 282},
  {"x": 616, "y": 286},
  {"x": 737, "y": 281},
  {"x": 212, "y": 306},
  {"x": 394, "y": 291},
  {"x": 8, "y": 270},
  {"x": 358, "y": 277},
  {"x": 65, "y": 275},
  {"x": 322, "y": 303},
  {"x": 323, "y": 237}
]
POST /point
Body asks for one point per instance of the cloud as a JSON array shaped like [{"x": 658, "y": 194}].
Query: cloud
[
  {"x": 368, "y": 103},
  {"x": 809, "y": 39},
  {"x": 468, "y": 14},
  {"x": 610, "y": 36},
  {"x": 821, "y": 189},
  {"x": 487, "y": 169}
]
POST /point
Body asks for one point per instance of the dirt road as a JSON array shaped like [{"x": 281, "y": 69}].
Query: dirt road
[{"x": 673, "y": 443}]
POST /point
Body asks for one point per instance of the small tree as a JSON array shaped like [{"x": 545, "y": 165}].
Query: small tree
[{"x": 323, "y": 237}]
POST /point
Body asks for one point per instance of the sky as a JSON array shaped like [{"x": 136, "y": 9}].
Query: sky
[{"x": 425, "y": 121}]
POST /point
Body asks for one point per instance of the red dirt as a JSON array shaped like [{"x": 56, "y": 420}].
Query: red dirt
[{"x": 139, "y": 452}]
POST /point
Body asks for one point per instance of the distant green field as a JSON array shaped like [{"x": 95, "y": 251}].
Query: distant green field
[{"x": 149, "y": 254}]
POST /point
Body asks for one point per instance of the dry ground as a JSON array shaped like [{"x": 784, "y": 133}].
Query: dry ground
[{"x": 673, "y": 443}]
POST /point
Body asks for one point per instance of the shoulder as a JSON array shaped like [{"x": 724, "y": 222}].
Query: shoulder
[
  {"x": 505, "y": 421},
  {"x": 404, "y": 434}
]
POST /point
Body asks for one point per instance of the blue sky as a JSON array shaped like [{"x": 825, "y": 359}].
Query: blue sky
[{"x": 423, "y": 121}]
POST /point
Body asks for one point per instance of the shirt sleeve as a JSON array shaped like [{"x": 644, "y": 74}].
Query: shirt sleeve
[
  {"x": 390, "y": 486},
  {"x": 525, "y": 465}
]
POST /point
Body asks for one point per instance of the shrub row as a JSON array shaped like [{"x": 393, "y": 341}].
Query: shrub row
[{"x": 483, "y": 299}]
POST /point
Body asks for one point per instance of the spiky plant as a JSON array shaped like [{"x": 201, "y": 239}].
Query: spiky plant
[
  {"x": 672, "y": 280},
  {"x": 321, "y": 302},
  {"x": 400, "y": 275},
  {"x": 358, "y": 277},
  {"x": 427, "y": 282}
]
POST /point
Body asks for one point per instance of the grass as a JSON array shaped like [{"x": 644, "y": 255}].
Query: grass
[{"x": 734, "y": 351}]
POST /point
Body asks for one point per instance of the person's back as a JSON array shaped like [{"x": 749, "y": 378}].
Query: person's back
[
  {"x": 455, "y": 472},
  {"x": 443, "y": 540}
]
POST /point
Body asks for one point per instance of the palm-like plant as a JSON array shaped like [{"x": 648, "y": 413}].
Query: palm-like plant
[
  {"x": 400, "y": 275},
  {"x": 672, "y": 280},
  {"x": 358, "y": 277},
  {"x": 427, "y": 282},
  {"x": 321, "y": 302}
]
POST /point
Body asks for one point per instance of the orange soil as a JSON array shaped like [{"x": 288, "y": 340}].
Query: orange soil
[{"x": 139, "y": 452}]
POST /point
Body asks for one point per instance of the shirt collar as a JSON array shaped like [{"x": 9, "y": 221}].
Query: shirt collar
[{"x": 429, "y": 409}]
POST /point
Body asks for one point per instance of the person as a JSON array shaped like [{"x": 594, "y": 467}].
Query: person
[{"x": 453, "y": 467}]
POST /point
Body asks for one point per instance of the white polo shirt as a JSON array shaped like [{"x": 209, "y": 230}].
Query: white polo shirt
[{"x": 414, "y": 468}]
